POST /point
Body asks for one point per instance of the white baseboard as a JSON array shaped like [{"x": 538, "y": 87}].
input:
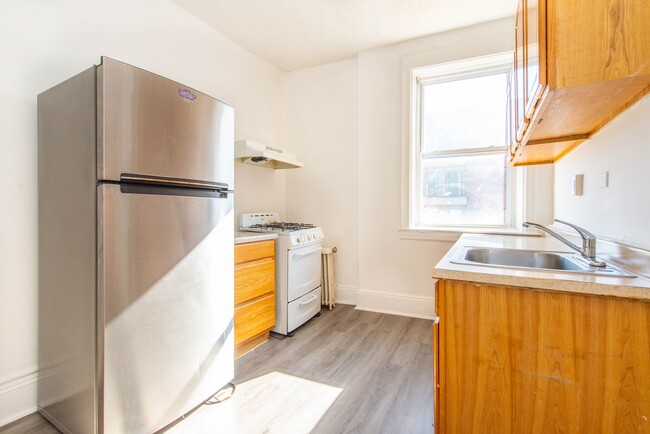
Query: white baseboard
[
  {"x": 345, "y": 294},
  {"x": 18, "y": 397},
  {"x": 396, "y": 304}
]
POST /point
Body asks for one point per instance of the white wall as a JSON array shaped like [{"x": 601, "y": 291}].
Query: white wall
[
  {"x": 258, "y": 189},
  {"x": 44, "y": 43},
  {"x": 321, "y": 127},
  {"x": 346, "y": 122},
  {"x": 394, "y": 273},
  {"x": 620, "y": 212}
]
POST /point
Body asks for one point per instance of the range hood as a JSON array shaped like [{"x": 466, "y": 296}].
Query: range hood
[{"x": 250, "y": 152}]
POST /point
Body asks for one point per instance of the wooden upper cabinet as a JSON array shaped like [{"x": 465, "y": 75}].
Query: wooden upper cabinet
[
  {"x": 511, "y": 126},
  {"x": 535, "y": 54},
  {"x": 598, "y": 40},
  {"x": 521, "y": 121},
  {"x": 584, "y": 63}
]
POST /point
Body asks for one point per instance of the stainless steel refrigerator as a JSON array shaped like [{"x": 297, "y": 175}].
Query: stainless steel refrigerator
[{"x": 135, "y": 178}]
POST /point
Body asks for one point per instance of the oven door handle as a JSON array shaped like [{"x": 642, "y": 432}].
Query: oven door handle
[
  {"x": 313, "y": 297},
  {"x": 307, "y": 253}
]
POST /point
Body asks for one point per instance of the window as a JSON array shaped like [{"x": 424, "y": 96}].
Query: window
[{"x": 460, "y": 177}]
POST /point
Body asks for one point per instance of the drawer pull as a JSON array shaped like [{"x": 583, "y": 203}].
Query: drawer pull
[
  {"x": 313, "y": 297},
  {"x": 308, "y": 252}
]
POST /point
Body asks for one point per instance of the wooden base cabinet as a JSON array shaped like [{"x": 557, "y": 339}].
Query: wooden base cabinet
[
  {"x": 518, "y": 360},
  {"x": 254, "y": 294}
]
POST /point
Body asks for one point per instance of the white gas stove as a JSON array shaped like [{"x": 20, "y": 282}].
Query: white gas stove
[
  {"x": 299, "y": 233},
  {"x": 297, "y": 271}
]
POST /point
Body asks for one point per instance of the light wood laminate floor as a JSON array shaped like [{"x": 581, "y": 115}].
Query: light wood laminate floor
[{"x": 347, "y": 371}]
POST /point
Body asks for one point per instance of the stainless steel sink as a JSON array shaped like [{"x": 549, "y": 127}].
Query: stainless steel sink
[{"x": 538, "y": 260}]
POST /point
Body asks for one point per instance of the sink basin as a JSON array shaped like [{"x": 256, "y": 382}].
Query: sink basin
[
  {"x": 538, "y": 260},
  {"x": 521, "y": 258}
]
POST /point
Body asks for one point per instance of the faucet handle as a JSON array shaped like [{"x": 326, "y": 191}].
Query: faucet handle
[{"x": 584, "y": 234}]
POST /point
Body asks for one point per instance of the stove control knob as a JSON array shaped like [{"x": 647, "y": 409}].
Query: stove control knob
[{"x": 310, "y": 237}]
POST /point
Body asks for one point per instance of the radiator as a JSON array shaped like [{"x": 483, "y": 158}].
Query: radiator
[{"x": 327, "y": 277}]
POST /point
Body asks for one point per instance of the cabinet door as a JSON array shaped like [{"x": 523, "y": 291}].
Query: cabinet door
[
  {"x": 535, "y": 53},
  {"x": 254, "y": 279},
  {"x": 520, "y": 73},
  {"x": 254, "y": 318},
  {"x": 438, "y": 395},
  {"x": 254, "y": 251},
  {"x": 518, "y": 360},
  {"x": 511, "y": 129}
]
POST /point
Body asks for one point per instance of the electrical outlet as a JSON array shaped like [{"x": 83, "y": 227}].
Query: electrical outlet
[{"x": 603, "y": 179}]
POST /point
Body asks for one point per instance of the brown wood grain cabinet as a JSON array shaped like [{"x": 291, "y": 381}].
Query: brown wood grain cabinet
[
  {"x": 578, "y": 65},
  {"x": 519, "y": 360},
  {"x": 254, "y": 294}
]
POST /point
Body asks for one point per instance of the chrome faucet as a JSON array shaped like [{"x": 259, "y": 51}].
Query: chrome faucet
[{"x": 588, "y": 249}]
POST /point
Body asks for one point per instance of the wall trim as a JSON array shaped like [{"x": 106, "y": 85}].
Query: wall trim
[
  {"x": 396, "y": 304},
  {"x": 345, "y": 294},
  {"x": 18, "y": 397},
  {"x": 495, "y": 39}
]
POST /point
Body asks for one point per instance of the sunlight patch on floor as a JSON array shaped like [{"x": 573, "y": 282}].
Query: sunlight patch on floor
[{"x": 273, "y": 403}]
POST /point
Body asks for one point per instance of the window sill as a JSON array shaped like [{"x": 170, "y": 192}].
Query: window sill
[{"x": 452, "y": 235}]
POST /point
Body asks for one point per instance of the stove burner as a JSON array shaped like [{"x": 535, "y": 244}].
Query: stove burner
[{"x": 284, "y": 226}]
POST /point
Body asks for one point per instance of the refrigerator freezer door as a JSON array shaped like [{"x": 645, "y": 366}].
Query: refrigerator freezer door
[
  {"x": 165, "y": 306},
  {"x": 150, "y": 125}
]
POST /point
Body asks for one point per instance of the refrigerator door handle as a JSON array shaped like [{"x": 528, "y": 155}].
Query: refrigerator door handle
[
  {"x": 131, "y": 178},
  {"x": 171, "y": 190}
]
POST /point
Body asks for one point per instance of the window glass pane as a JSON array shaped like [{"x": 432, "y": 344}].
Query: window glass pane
[
  {"x": 464, "y": 114},
  {"x": 464, "y": 190}
]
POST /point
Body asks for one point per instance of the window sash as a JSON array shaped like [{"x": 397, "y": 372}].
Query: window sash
[
  {"x": 466, "y": 75},
  {"x": 509, "y": 196},
  {"x": 416, "y": 190}
]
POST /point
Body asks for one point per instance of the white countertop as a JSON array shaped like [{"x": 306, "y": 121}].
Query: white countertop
[
  {"x": 627, "y": 287},
  {"x": 250, "y": 237}
]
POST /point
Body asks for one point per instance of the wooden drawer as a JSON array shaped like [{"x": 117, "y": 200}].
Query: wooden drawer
[
  {"x": 254, "y": 317},
  {"x": 254, "y": 280},
  {"x": 253, "y": 251}
]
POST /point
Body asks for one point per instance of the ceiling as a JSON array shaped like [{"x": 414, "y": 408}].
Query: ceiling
[{"x": 294, "y": 34}]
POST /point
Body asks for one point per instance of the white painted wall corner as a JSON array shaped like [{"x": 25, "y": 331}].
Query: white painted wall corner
[{"x": 345, "y": 294}]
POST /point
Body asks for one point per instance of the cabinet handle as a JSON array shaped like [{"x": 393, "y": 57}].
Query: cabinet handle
[
  {"x": 313, "y": 297},
  {"x": 307, "y": 253}
]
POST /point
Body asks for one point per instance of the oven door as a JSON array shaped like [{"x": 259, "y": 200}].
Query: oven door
[{"x": 303, "y": 270}]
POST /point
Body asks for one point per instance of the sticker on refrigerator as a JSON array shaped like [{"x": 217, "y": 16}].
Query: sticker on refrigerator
[{"x": 186, "y": 94}]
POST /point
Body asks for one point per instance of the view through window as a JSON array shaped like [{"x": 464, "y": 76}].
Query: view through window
[{"x": 463, "y": 174}]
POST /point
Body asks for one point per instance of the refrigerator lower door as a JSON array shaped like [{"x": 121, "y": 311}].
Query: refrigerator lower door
[{"x": 165, "y": 305}]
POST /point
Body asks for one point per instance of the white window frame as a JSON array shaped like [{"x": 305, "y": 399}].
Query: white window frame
[{"x": 415, "y": 76}]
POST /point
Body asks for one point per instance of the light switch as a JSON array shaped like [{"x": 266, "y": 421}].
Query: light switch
[
  {"x": 603, "y": 180},
  {"x": 578, "y": 182}
]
